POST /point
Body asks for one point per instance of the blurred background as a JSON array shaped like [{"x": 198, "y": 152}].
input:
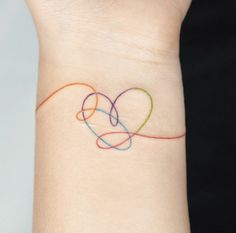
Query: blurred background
[
  {"x": 18, "y": 75},
  {"x": 208, "y": 57}
]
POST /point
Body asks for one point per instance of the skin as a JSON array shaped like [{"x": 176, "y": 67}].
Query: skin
[{"x": 112, "y": 45}]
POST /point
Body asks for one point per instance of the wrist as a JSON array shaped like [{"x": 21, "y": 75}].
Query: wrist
[{"x": 112, "y": 75}]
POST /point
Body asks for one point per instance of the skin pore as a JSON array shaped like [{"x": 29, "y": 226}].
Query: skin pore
[{"x": 110, "y": 145}]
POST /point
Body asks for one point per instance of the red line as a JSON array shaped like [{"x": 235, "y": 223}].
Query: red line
[{"x": 135, "y": 134}]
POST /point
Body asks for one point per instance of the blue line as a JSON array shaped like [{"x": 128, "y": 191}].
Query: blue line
[{"x": 106, "y": 142}]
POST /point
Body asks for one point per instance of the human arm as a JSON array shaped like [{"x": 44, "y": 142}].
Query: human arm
[{"x": 104, "y": 48}]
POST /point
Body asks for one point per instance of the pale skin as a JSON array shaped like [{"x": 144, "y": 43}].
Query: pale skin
[{"x": 112, "y": 45}]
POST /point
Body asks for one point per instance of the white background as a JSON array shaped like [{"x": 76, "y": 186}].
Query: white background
[{"x": 18, "y": 77}]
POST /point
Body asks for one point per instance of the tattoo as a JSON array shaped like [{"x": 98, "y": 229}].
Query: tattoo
[{"x": 113, "y": 116}]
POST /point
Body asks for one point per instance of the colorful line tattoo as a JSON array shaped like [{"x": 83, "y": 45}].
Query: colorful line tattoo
[{"x": 85, "y": 113}]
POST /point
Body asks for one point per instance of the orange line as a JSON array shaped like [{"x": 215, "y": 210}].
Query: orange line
[{"x": 69, "y": 85}]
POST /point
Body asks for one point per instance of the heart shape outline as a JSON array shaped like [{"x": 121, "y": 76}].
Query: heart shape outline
[{"x": 115, "y": 117}]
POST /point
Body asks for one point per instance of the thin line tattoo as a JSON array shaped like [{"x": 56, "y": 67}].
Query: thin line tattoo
[{"x": 113, "y": 115}]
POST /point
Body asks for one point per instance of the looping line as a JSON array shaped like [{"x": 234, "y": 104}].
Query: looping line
[{"x": 101, "y": 139}]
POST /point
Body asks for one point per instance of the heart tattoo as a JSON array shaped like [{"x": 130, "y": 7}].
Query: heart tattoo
[{"x": 113, "y": 115}]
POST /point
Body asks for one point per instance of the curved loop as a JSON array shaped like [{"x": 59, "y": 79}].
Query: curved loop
[
  {"x": 109, "y": 145},
  {"x": 66, "y": 86}
]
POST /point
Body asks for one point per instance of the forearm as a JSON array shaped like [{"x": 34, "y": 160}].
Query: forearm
[
  {"x": 110, "y": 145},
  {"x": 129, "y": 185}
]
